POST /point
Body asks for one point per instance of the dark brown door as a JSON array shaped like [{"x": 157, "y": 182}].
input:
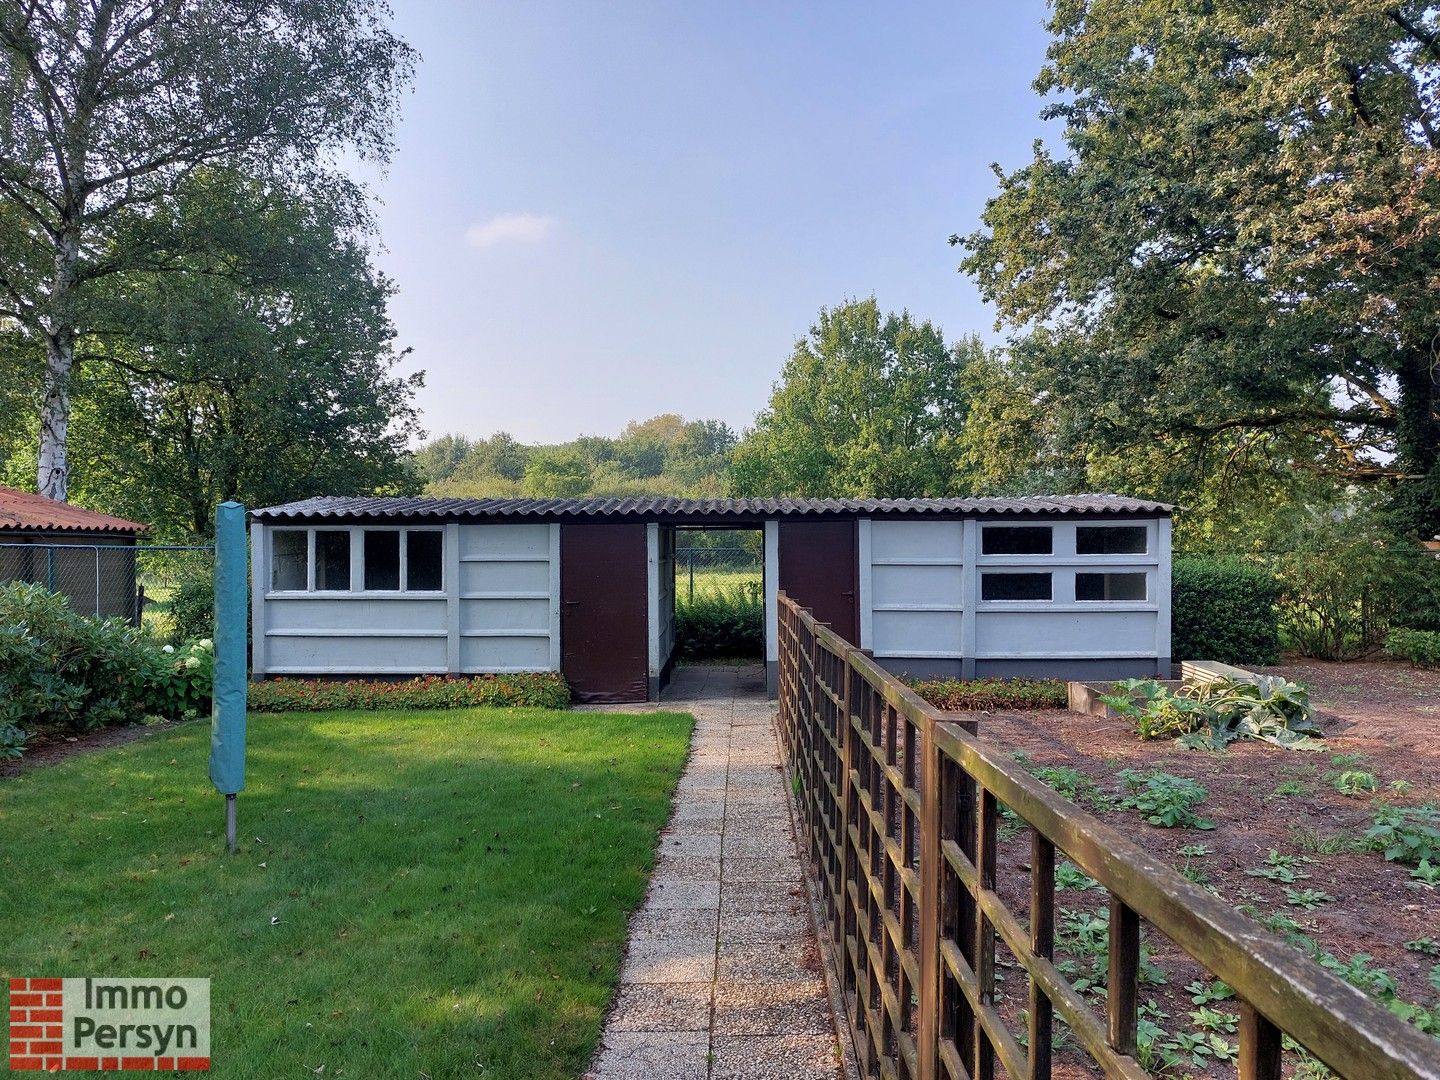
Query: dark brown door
[
  {"x": 818, "y": 570},
  {"x": 604, "y": 641}
]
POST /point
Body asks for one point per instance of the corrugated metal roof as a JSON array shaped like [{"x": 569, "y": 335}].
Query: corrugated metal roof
[
  {"x": 25, "y": 510},
  {"x": 663, "y": 508}
]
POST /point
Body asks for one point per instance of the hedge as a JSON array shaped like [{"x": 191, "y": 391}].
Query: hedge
[
  {"x": 531, "y": 690},
  {"x": 958, "y": 695},
  {"x": 723, "y": 623},
  {"x": 1225, "y": 610}
]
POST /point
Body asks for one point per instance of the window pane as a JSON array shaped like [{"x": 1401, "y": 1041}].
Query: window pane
[
  {"x": 422, "y": 561},
  {"x": 288, "y": 560},
  {"x": 1015, "y": 540},
  {"x": 1110, "y": 586},
  {"x": 332, "y": 560},
  {"x": 382, "y": 559},
  {"x": 1015, "y": 587},
  {"x": 1110, "y": 540}
]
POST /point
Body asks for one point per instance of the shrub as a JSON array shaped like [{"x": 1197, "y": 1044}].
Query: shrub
[
  {"x": 1420, "y": 647},
  {"x": 535, "y": 690},
  {"x": 722, "y": 622},
  {"x": 959, "y": 695},
  {"x": 1346, "y": 581},
  {"x": 63, "y": 671},
  {"x": 1224, "y": 610},
  {"x": 192, "y": 605}
]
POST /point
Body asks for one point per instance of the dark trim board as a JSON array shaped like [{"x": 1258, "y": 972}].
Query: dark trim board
[{"x": 657, "y": 685}]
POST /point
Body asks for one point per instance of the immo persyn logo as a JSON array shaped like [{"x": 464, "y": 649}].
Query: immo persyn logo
[{"x": 110, "y": 1024}]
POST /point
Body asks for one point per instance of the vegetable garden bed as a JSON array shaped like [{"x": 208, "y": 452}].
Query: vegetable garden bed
[{"x": 1279, "y": 833}]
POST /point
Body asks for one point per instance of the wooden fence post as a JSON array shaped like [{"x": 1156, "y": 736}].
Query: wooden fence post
[
  {"x": 928, "y": 1029},
  {"x": 1259, "y": 1046}
]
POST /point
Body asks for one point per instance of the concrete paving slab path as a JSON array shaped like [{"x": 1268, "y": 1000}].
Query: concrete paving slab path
[{"x": 723, "y": 977}]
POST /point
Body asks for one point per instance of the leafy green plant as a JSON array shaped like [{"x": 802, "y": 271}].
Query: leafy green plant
[
  {"x": 964, "y": 695},
  {"x": 1419, "y": 647},
  {"x": 1406, "y": 834},
  {"x": 1202, "y": 993},
  {"x": 1070, "y": 876},
  {"x": 535, "y": 690},
  {"x": 1207, "y": 1019},
  {"x": 1309, "y": 899},
  {"x": 1225, "y": 610},
  {"x": 1282, "y": 868},
  {"x": 1210, "y": 716},
  {"x": 1166, "y": 800},
  {"x": 1426, "y": 875},
  {"x": 1194, "y": 851},
  {"x": 1358, "y": 972},
  {"x": 1426, "y": 946},
  {"x": 1356, "y": 782},
  {"x": 12, "y": 741}
]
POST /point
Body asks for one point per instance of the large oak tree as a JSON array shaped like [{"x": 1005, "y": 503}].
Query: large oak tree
[
  {"x": 1241, "y": 238},
  {"x": 106, "y": 106}
]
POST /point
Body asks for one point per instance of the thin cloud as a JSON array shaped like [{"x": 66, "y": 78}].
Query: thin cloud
[{"x": 511, "y": 229}]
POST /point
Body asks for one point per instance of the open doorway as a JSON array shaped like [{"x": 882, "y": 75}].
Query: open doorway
[{"x": 719, "y": 596}]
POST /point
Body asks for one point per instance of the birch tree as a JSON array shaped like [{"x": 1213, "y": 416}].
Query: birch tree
[{"x": 106, "y": 106}]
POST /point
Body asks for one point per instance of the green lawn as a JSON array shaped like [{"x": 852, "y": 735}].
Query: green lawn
[{"x": 451, "y": 887}]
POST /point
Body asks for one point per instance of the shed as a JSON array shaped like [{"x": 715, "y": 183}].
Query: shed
[
  {"x": 88, "y": 556},
  {"x": 1074, "y": 586}
]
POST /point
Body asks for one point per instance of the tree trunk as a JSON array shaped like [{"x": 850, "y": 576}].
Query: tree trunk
[
  {"x": 1418, "y": 441},
  {"x": 53, "y": 475}
]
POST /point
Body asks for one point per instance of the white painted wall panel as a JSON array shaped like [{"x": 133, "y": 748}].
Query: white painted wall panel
[
  {"x": 915, "y": 576},
  {"x": 358, "y": 613},
  {"x": 504, "y": 540},
  {"x": 1043, "y": 633},
  {"x": 915, "y": 540},
  {"x": 918, "y": 633},
  {"x": 916, "y": 585},
  {"x": 494, "y": 654},
  {"x": 505, "y": 577},
  {"x": 349, "y": 655},
  {"x": 505, "y": 615}
]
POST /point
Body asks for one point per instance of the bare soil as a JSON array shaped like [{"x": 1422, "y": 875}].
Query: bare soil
[
  {"x": 44, "y": 750},
  {"x": 1379, "y": 717}
]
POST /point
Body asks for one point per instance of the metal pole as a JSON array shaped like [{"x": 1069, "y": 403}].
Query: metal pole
[
  {"x": 690, "y": 558},
  {"x": 230, "y": 824}
]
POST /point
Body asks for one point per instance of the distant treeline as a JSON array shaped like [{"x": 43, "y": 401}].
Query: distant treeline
[{"x": 665, "y": 455}]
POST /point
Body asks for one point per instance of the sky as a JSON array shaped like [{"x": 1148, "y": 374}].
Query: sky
[{"x": 600, "y": 212}]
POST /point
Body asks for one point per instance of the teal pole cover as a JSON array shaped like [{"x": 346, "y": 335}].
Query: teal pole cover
[{"x": 227, "y": 714}]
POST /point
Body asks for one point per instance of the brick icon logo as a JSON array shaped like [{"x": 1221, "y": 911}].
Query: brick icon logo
[{"x": 110, "y": 1024}]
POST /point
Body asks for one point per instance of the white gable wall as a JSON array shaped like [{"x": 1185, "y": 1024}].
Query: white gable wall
[
  {"x": 923, "y": 608},
  {"x": 498, "y": 610}
]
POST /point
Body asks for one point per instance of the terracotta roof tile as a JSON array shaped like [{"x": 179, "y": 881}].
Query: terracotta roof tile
[{"x": 21, "y": 510}]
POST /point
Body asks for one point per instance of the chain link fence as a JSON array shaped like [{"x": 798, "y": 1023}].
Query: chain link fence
[
  {"x": 716, "y": 571},
  {"x": 163, "y": 587}
]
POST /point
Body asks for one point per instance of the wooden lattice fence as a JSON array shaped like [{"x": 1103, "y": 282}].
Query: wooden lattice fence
[{"x": 900, "y": 812}]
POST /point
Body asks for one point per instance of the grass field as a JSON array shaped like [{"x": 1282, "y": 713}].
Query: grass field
[{"x": 417, "y": 894}]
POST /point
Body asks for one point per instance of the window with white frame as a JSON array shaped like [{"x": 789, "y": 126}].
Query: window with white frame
[{"x": 388, "y": 559}]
